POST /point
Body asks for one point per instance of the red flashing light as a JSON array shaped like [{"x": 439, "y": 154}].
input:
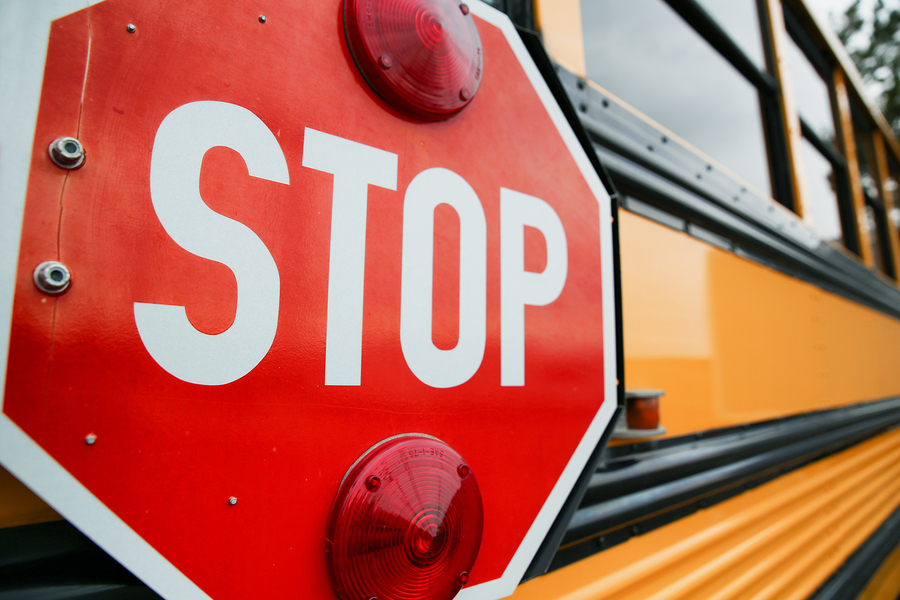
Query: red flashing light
[
  {"x": 423, "y": 56},
  {"x": 413, "y": 535}
]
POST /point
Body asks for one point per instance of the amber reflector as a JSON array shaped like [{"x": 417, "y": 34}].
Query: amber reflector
[
  {"x": 643, "y": 413},
  {"x": 406, "y": 523},
  {"x": 422, "y": 56}
]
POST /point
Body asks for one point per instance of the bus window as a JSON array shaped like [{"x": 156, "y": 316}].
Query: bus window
[
  {"x": 876, "y": 218},
  {"x": 821, "y": 188},
  {"x": 821, "y": 159},
  {"x": 893, "y": 187},
  {"x": 741, "y": 20},
  {"x": 812, "y": 93},
  {"x": 647, "y": 55}
]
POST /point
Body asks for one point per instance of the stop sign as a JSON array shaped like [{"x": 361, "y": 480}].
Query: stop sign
[{"x": 272, "y": 271}]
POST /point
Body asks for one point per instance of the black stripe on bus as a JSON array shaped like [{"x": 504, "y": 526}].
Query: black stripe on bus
[{"x": 642, "y": 486}]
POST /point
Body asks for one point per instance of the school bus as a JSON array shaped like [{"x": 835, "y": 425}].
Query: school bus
[{"x": 757, "y": 453}]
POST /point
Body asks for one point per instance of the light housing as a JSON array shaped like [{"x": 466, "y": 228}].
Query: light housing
[
  {"x": 640, "y": 419},
  {"x": 406, "y": 523},
  {"x": 424, "y": 57}
]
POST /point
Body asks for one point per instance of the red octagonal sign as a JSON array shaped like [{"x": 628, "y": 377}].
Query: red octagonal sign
[{"x": 273, "y": 271}]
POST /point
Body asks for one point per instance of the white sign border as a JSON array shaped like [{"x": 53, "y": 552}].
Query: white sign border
[
  {"x": 24, "y": 33},
  {"x": 506, "y": 585}
]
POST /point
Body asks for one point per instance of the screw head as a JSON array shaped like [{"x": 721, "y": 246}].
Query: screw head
[
  {"x": 373, "y": 483},
  {"x": 262, "y": 18},
  {"x": 130, "y": 28},
  {"x": 463, "y": 578},
  {"x": 89, "y": 439},
  {"x": 464, "y": 8},
  {"x": 232, "y": 500},
  {"x": 67, "y": 152},
  {"x": 52, "y": 277},
  {"x": 464, "y": 94},
  {"x": 463, "y": 471},
  {"x": 385, "y": 62}
]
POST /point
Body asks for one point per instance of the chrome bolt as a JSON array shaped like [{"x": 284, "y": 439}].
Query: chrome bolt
[
  {"x": 232, "y": 501},
  {"x": 67, "y": 152},
  {"x": 130, "y": 28},
  {"x": 262, "y": 18},
  {"x": 52, "y": 277},
  {"x": 89, "y": 439}
]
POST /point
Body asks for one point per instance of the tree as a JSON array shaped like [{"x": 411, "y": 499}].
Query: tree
[{"x": 877, "y": 57}]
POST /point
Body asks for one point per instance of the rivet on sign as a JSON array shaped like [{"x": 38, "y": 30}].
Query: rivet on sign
[
  {"x": 89, "y": 439},
  {"x": 52, "y": 277},
  {"x": 67, "y": 152},
  {"x": 130, "y": 28},
  {"x": 463, "y": 471},
  {"x": 385, "y": 62},
  {"x": 464, "y": 94},
  {"x": 373, "y": 483},
  {"x": 464, "y": 578},
  {"x": 262, "y": 18},
  {"x": 464, "y": 8},
  {"x": 635, "y": 530},
  {"x": 232, "y": 500}
]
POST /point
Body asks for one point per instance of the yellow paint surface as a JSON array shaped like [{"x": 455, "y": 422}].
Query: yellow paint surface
[
  {"x": 779, "y": 541},
  {"x": 19, "y": 505},
  {"x": 559, "y": 22},
  {"x": 732, "y": 341}
]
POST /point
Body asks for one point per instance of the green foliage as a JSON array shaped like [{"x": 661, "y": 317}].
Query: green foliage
[{"x": 877, "y": 58}]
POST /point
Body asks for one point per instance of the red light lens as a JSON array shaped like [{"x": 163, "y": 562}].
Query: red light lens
[
  {"x": 416, "y": 534},
  {"x": 422, "y": 56}
]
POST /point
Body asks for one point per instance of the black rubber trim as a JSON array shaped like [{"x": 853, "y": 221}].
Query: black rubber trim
[
  {"x": 55, "y": 561},
  {"x": 541, "y": 562},
  {"x": 853, "y": 576},
  {"x": 639, "y": 487},
  {"x": 549, "y": 71}
]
